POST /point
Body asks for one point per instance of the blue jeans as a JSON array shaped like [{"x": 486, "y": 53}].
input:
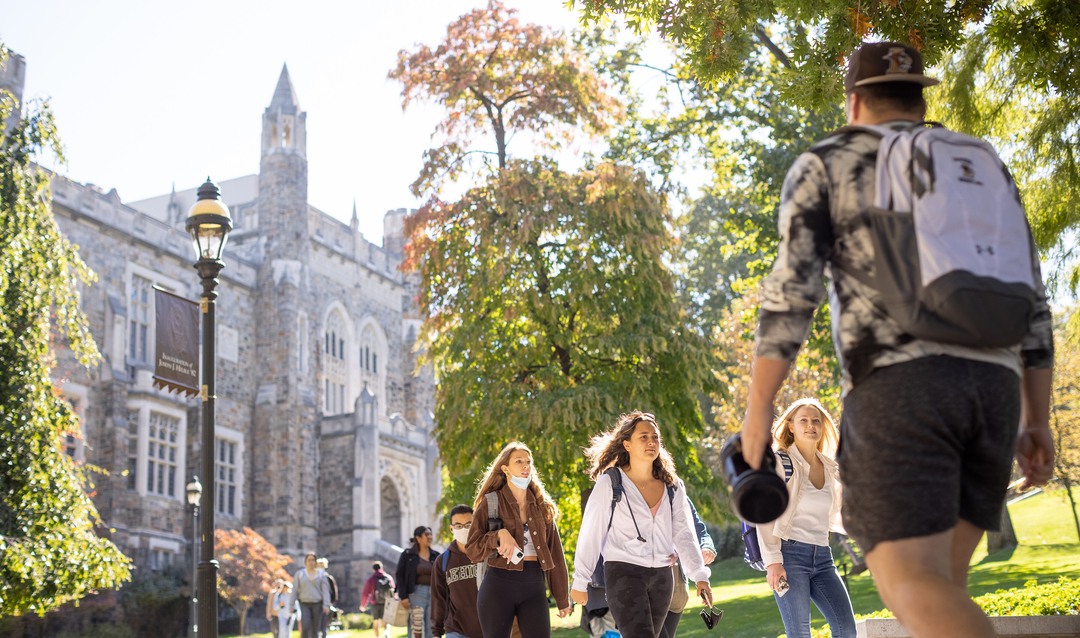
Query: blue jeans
[
  {"x": 812, "y": 576},
  {"x": 421, "y": 597},
  {"x": 454, "y": 634}
]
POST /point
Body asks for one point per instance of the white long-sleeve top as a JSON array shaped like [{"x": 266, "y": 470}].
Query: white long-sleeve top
[
  {"x": 770, "y": 534},
  {"x": 671, "y": 530}
]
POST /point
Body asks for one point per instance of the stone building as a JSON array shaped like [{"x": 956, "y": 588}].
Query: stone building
[{"x": 323, "y": 420}]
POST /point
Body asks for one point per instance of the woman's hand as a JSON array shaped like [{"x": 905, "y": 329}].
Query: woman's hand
[
  {"x": 405, "y": 603},
  {"x": 579, "y": 597},
  {"x": 704, "y": 592},
  {"x": 708, "y": 556},
  {"x": 507, "y": 544},
  {"x": 563, "y": 613},
  {"x": 775, "y": 572}
]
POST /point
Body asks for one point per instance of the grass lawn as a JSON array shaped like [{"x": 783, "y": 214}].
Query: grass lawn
[{"x": 1048, "y": 549}]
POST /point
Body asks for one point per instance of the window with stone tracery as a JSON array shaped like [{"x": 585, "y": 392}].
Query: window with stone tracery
[
  {"x": 161, "y": 455},
  {"x": 335, "y": 369}
]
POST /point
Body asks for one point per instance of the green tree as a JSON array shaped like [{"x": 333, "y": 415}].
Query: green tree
[
  {"x": 49, "y": 551},
  {"x": 1065, "y": 413},
  {"x": 813, "y": 38},
  {"x": 551, "y": 310}
]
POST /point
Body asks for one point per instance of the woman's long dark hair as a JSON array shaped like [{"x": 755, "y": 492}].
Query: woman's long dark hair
[{"x": 606, "y": 450}]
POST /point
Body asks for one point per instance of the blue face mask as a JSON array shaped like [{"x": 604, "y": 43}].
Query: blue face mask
[{"x": 521, "y": 483}]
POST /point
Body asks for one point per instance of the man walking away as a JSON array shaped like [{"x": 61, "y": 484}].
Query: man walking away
[
  {"x": 377, "y": 590},
  {"x": 455, "y": 583},
  {"x": 324, "y": 564},
  {"x": 929, "y": 423}
]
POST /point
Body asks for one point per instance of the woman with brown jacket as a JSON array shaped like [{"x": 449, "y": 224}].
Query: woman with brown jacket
[{"x": 522, "y": 555}]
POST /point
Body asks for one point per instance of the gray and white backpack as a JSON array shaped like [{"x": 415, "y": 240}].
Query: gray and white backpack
[{"x": 953, "y": 255}]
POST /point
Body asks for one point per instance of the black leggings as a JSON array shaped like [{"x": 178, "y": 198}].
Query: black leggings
[
  {"x": 639, "y": 597},
  {"x": 507, "y": 594}
]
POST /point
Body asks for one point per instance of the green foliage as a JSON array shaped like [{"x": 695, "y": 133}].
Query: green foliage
[
  {"x": 1033, "y": 599},
  {"x": 551, "y": 310},
  {"x": 813, "y": 38},
  {"x": 49, "y": 551}
]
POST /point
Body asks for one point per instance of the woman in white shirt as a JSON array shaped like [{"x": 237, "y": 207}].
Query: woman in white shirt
[
  {"x": 795, "y": 547},
  {"x": 648, "y": 530}
]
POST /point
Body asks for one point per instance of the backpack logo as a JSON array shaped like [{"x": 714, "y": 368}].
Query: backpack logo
[
  {"x": 899, "y": 60},
  {"x": 967, "y": 171}
]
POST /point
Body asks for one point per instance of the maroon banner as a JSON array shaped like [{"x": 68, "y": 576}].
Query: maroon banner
[{"x": 176, "y": 364}]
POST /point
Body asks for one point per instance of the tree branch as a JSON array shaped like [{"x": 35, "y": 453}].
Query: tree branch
[{"x": 777, "y": 52}]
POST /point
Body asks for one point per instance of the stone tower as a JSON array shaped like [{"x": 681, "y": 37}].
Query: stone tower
[{"x": 285, "y": 446}]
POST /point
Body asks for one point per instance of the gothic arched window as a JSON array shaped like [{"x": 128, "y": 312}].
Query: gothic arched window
[{"x": 335, "y": 370}]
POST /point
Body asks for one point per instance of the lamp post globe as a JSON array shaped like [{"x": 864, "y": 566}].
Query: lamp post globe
[
  {"x": 194, "y": 492},
  {"x": 208, "y": 223}
]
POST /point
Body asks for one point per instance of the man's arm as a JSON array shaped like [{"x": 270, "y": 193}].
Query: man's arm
[
  {"x": 790, "y": 294},
  {"x": 766, "y": 380},
  {"x": 1035, "y": 445}
]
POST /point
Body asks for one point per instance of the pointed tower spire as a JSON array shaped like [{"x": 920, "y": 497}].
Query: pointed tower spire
[
  {"x": 284, "y": 94},
  {"x": 354, "y": 217},
  {"x": 284, "y": 129}
]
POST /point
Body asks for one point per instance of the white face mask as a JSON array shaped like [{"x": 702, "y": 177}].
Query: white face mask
[
  {"x": 521, "y": 483},
  {"x": 460, "y": 535}
]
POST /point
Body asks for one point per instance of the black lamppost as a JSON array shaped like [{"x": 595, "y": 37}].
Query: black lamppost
[
  {"x": 209, "y": 224},
  {"x": 194, "y": 494}
]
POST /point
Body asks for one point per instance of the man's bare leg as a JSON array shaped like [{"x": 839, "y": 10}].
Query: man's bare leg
[
  {"x": 966, "y": 537},
  {"x": 916, "y": 578}
]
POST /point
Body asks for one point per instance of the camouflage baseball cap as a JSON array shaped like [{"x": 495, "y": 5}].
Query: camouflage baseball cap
[{"x": 878, "y": 62}]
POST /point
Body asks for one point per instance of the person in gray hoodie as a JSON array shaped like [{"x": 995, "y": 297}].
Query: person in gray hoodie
[{"x": 312, "y": 589}]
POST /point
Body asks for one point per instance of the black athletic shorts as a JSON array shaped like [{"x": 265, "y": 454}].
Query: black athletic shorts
[{"x": 924, "y": 443}]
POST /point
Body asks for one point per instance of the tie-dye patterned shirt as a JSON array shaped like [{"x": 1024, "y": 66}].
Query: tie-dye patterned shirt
[{"x": 821, "y": 206}]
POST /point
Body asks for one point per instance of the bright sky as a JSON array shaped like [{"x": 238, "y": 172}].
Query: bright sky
[{"x": 151, "y": 93}]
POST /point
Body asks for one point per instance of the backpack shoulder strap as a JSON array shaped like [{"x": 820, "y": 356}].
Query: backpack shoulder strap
[
  {"x": 671, "y": 497},
  {"x": 615, "y": 475},
  {"x": 785, "y": 460},
  {"x": 445, "y": 560},
  {"x": 493, "y": 504}
]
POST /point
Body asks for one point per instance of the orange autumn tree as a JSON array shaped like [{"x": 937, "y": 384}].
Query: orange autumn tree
[
  {"x": 249, "y": 565},
  {"x": 496, "y": 76}
]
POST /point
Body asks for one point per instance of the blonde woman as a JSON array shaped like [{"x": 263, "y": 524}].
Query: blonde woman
[
  {"x": 650, "y": 529},
  {"x": 795, "y": 548},
  {"x": 522, "y": 555}
]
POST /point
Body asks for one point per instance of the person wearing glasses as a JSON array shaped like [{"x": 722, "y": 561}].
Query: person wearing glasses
[
  {"x": 455, "y": 583},
  {"x": 522, "y": 555},
  {"x": 649, "y": 529}
]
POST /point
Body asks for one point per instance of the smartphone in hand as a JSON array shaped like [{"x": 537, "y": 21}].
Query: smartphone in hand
[{"x": 782, "y": 587}]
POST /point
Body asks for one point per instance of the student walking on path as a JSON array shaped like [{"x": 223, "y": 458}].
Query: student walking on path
[
  {"x": 456, "y": 583},
  {"x": 644, "y": 535},
  {"x": 324, "y": 627},
  {"x": 937, "y": 378},
  {"x": 522, "y": 555},
  {"x": 795, "y": 548},
  {"x": 278, "y": 611},
  {"x": 312, "y": 589},
  {"x": 414, "y": 575},
  {"x": 378, "y": 588}
]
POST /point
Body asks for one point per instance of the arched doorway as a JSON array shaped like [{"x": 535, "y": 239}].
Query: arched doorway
[{"x": 390, "y": 506}]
